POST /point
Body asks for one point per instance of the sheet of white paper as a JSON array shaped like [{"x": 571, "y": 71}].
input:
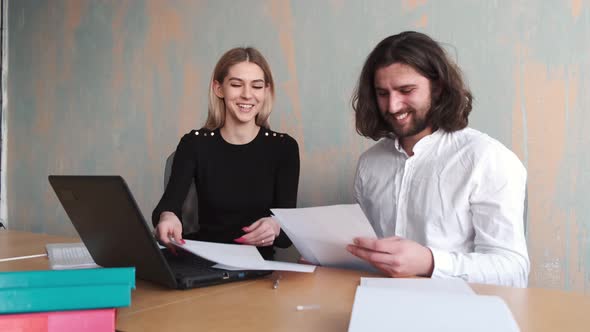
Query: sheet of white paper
[
  {"x": 455, "y": 285},
  {"x": 286, "y": 266},
  {"x": 300, "y": 244},
  {"x": 321, "y": 233},
  {"x": 382, "y": 309},
  {"x": 273, "y": 265},
  {"x": 238, "y": 257},
  {"x": 227, "y": 267}
]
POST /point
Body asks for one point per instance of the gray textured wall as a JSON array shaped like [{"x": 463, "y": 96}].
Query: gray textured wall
[{"x": 108, "y": 87}]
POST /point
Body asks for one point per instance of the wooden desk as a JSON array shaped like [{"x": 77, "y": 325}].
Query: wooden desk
[{"x": 255, "y": 306}]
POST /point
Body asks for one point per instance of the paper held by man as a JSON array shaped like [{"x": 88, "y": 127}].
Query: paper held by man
[{"x": 322, "y": 233}]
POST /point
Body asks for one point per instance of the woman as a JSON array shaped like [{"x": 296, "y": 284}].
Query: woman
[{"x": 240, "y": 167}]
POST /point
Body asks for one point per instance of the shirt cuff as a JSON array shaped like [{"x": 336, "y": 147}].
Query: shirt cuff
[{"x": 443, "y": 263}]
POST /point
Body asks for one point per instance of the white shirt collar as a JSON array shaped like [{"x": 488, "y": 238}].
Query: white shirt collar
[{"x": 422, "y": 144}]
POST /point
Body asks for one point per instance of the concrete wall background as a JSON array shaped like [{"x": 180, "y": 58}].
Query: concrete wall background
[{"x": 108, "y": 87}]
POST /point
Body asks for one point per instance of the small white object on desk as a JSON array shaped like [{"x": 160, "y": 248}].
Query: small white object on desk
[
  {"x": 307, "y": 307},
  {"x": 21, "y": 257}
]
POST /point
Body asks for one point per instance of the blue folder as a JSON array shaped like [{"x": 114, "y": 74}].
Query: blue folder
[{"x": 57, "y": 290}]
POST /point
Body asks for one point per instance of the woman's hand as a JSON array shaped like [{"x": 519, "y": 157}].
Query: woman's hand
[
  {"x": 261, "y": 233},
  {"x": 169, "y": 227}
]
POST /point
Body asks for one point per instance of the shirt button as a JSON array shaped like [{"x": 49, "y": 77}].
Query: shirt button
[
  {"x": 197, "y": 133},
  {"x": 274, "y": 134},
  {"x": 212, "y": 134},
  {"x": 266, "y": 134}
]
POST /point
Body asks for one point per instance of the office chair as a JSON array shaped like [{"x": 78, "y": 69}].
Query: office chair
[
  {"x": 190, "y": 215},
  {"x": 526, "y": 211}
]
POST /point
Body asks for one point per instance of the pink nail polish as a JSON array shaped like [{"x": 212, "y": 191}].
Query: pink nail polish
[
  {"x": 245, "y": 229},
  {"x": 239, "y": 240}
]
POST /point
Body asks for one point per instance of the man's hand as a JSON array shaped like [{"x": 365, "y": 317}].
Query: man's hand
[
  {"x": 395, "y": 256},
  {"x": 261, "y": 233}
]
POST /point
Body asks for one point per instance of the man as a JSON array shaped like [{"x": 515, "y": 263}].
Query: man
[{"x": 445, "y": 200}]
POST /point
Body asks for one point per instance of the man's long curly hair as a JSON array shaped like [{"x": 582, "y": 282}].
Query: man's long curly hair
[{"x": 451, "y": 104}]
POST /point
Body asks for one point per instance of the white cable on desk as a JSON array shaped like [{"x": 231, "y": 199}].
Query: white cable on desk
[{"x": 21, "y": 257}]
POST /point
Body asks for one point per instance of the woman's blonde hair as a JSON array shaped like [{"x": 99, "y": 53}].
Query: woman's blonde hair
[{"x": 216, "y": 116}]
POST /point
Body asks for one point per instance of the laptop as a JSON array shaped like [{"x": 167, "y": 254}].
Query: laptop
[{"x": 111, "y": 225}]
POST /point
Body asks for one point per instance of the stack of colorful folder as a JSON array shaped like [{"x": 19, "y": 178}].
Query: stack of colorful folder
[{"x": 64, "y": 300}]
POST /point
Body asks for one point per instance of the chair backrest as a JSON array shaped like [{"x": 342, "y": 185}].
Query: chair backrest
[
  {"x": 190, "y": 215},
  {"x": 525, "y": 216}
]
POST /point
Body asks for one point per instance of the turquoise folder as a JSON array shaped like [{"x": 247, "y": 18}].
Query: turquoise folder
[{"x": 57, "y": 290}]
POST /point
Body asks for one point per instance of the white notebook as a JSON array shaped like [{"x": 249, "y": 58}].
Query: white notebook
[
  {"x": 64, "y": 256},
  {"x": 386, "y": 309}
]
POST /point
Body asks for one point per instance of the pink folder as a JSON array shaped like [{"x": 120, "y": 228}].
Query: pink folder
[{"x": 101, "y": 320}]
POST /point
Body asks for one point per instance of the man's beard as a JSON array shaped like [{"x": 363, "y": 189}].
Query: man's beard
[{"x": 417, "y": 125}]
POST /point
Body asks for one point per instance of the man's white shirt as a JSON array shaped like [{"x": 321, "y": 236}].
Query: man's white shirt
[{"x": 461, "y": 194}]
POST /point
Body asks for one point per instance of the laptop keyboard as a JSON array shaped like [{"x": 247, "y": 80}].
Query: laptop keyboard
[{"x": 185, "y": 263}]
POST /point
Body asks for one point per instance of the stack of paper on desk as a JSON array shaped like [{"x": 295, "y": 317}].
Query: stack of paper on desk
[
  {"x": 322, "y": 233},
  {"x": 239, "y": 257},
  {"x": 455, "y": 286},
  {"x": 426, "y": 305}
]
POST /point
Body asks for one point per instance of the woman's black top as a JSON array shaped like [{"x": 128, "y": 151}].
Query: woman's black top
[{"x": 236, "y": 184}]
